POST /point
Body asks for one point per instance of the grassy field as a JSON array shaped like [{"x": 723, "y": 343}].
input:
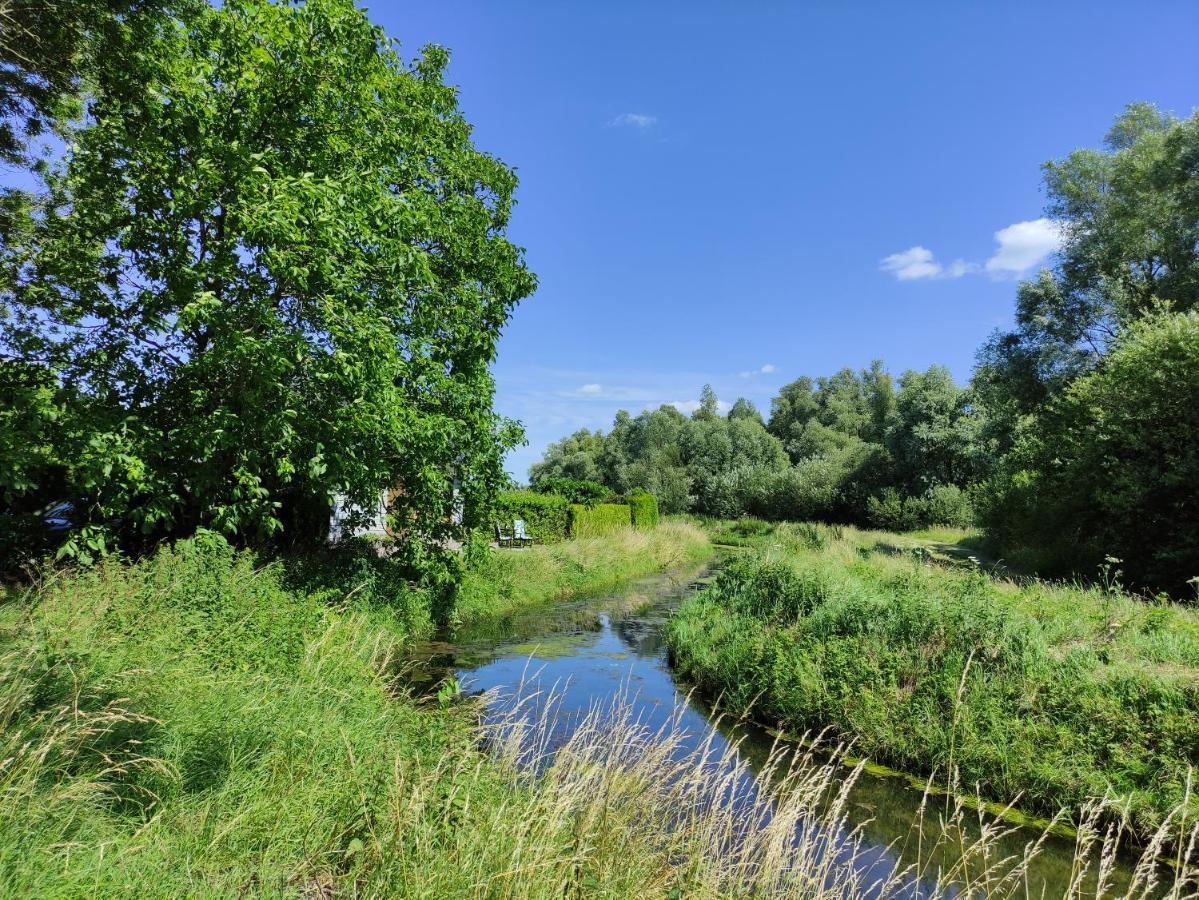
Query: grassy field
[
  {"x": 515, "y": 580},
  {"x": 1050, "y": 694},
  {"x": 196, "y": 725}
]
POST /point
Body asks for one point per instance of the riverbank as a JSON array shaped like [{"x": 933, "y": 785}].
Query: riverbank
[
  {"x": 197, "y": 724},
  {"x": 515, "y": 581},
  {"x": 1044, "y": 694}
]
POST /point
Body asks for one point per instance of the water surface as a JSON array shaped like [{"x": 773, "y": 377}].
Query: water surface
[{"x": 592, "y": 650}]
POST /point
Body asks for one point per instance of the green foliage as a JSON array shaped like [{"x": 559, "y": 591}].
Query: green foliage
[
  {"x": 573, "y": 458},
  {"x": 831, "y": 444},
  {"x": 1056, "y": 694},
  {"x": 944, "y": 504},
  {"x": 1111, "y": 468},
  {"x": 604, "y": 518},
  {"x": 813, "y": 416},
  {"x": 643, "y": 508},
  {"x": 48, "y": 53},
  {"x": 575, "y": 491},
  {"x": 243, "y": 306},
  {"x": 546, "y": 516},
  {"x": 1130, "y": 214}
]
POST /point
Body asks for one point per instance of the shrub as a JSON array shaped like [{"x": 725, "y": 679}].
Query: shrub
[
  {"x": 575, "y": 490},
  {"x": 546, "y": 516},
  {"x": 948, "y": 504},
  {"x": 945, "y": 504},
  {"x": 604, "y": 518},
  {"x": 644, "y": 509},
  {"x": 807, "y": 490}
]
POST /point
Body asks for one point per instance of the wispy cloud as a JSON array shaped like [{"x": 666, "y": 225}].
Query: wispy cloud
[
  {"x": 919, "y": 262},
  {"x": 592, "y": 390},
  {"x": 633, "y": 120},
  {"x": 767, "y": 369},
  {"x": 1021, "y": 246}
]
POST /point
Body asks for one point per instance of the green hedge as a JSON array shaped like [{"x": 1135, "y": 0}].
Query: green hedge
[
  {"x": 546, "y": 516},
  {"x": 644, "y": 508},
  {"x": 603, "y": 518}
]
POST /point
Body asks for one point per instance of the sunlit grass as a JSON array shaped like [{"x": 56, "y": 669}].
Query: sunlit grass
[
  {"x": 514, "y": 580},
  {"x": 1068, "y": 692}
]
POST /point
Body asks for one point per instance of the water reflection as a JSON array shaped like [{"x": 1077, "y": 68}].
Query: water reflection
[{"x": 588, "y": 652}]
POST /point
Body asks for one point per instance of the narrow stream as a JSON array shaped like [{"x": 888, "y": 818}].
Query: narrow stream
[{"x": 592, "y": 649}]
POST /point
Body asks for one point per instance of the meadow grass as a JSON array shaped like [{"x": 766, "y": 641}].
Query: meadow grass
[
  {"x": 1051, "y": 695},
  {"x": 514, "y": 580},
  {"x": 197, "y": 724},
  {"x": 190, "y": 725}
]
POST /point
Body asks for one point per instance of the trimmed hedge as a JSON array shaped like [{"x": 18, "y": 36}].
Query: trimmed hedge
[
  {"x": 546, "y": 516},
  {"x": 603, "y": 518},
  {"x": 644, "y": 509}
]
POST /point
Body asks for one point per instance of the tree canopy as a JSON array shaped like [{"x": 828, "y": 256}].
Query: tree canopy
[{"x": 270, "y": 268}]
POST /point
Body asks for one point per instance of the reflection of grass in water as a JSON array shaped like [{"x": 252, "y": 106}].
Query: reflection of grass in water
[
  {"x": 511, "y": 581},
  {"x": 548, "y": 632},
  {"x": 616, "y": 808},
  {"x": 582, "y": 613},
  {"x": 551, "y": 647}
]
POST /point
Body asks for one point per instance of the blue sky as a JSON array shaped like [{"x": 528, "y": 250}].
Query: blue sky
[{"x": 741, "y": 193}]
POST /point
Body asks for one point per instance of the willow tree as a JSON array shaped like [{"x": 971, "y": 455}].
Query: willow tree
[{"x": 271, "y": 267}]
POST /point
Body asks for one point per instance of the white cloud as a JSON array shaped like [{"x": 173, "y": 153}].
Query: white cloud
[
  {"x": 1024, "y": 245},
  {"x": 960, "y": 267},
  {"x": 915, "y": 262},
  {"x": 1021, "y": 246},
  {"x": 592, "y": 390},
  {"x": 767, "y": 369},
  {"x": 633, "y": 120}
]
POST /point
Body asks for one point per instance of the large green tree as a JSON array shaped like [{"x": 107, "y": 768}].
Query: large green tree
[
  {"x": 1129, "y": 216},
  {"x": 1111, "y": 467},
  {"x": 271, "y": 267}
]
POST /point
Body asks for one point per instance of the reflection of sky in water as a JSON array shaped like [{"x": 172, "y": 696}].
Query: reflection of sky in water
[
  {"x": 586, "y": 669},
  {"x": 583, "y": 671}
]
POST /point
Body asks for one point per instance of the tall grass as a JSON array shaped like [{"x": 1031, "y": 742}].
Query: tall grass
[
  {"x": 1052, "y": 694},
  {"x": 195, "y": 723},
  {"x": 188, "y": 726},
  {"x": 512, "y": 580}
]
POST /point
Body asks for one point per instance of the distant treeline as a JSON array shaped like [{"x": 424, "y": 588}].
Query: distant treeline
[{"x": 1076, "y": 442}]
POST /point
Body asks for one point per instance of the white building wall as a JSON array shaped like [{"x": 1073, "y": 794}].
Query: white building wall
[{"x": 339, "y": 518}]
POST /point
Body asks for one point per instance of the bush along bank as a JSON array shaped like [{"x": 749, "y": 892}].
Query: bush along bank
[{"x": 1042, "y": 693}]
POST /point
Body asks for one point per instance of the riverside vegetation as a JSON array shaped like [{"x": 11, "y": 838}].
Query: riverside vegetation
[
  {"x": 196, "y": 724},
  {"x": 1047, "y": 695},
  {"x": 201, "y": 722},
  {"x": 222, "y": 311}
]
